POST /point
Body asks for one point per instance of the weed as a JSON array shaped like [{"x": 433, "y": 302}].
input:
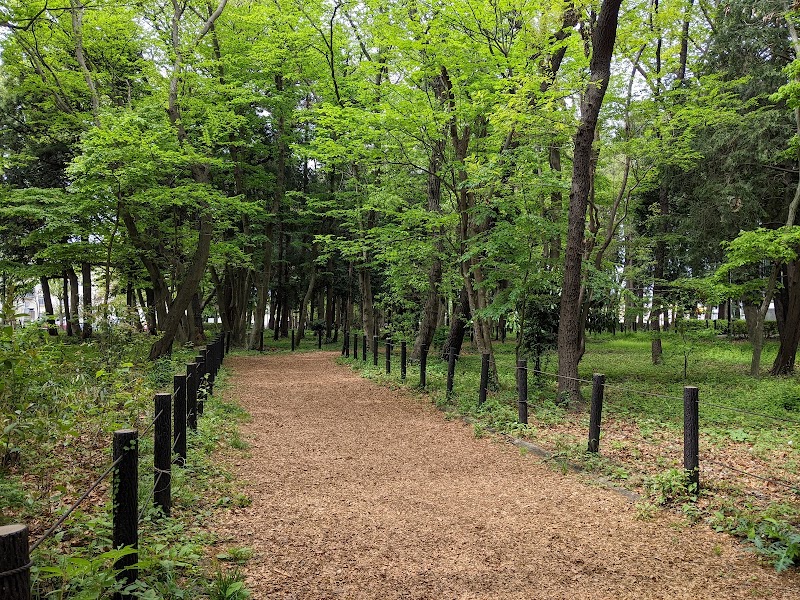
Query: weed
[
  {"x": 228, "y": 585},
  {"x": 236, "y": 554}
]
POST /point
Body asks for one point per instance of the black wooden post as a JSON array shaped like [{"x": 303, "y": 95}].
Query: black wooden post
[
  {"x": 293, "y": 341},
  {"x": 191, "y": 396},
  {"x": 344, "y": 345},
  {"x": 484, "y": 379},
  {"x": 162, "y": 454},
  {"x": 125, "y": 502},
  {"x": 596, "y": 411},
  {"x": 261, "y": 341},
  {"x": 691, "y": 435},
  {"x": 403, "y": 359},
  {"x": 208, "y": 359},
  {"x": 388, "y": 355},
  {"x": 364, "y": 348},
  {"x": 355, "y": 346},
  {"x": 319, "y": 339},
  {"x": 179, "y": 419},
  {"x": 423, "y": 366},
  {"x": 451, "y": 370},
  {"x": 374, "y": 350},
  {"x": 15, "y": 563},
  {"x": 202, "y": 389},
  {"x": 522, "y": 391}
]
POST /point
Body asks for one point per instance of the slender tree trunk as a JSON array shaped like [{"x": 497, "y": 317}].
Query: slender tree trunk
[
  {"x": 86, "y": 276},
  {"x": 48, "y": 307},
  {"x": 569, "y": 335},
  {"x": 73, "y": 301},
  {"x": 67, "y": 304},
  {"x": 301, "y": 326}
]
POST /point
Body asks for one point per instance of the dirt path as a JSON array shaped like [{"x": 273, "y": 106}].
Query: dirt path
[{"x": 360, "y": 491}]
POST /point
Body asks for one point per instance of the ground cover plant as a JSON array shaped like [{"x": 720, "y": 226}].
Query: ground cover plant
[
  {"x": 61, "y": 400},
  {"x": 749, "y": 428}
]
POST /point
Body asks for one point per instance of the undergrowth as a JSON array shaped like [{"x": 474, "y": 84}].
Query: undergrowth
[{"x": 61, "y": 400}]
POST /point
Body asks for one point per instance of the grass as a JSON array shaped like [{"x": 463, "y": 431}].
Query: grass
[
  {"x": 64, "y": 398},
  {"x": 747, "y": 424}
]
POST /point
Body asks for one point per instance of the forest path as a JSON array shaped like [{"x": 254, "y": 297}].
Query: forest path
[{"x": 361, "y": 491}]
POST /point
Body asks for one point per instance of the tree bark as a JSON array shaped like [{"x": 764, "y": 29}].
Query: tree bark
[
  {"x": 67, "y": 304},
  {"x": 787, "y": 311},
  {"x": 86, "y": 276},
  {"x": 74, "y": 317},
  {"x": 301, "y": 326},
  {"x": 48, "y": 307},
  {"x": 569, "y": 335},
  {"x": 458, "y": 325}
]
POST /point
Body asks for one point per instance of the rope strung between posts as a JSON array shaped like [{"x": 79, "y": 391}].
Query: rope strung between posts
[
  {"x": 751, "y": 413},
  {"x": 72, "y": 508},
  {"x": 675, "y": 398},
  {"x": 791, "y": 487},
  {"x": 21, "y": 569},
  {"x": 85, "y": 495}
]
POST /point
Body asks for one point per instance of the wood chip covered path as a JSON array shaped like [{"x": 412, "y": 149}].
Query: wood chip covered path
[{"x": 359, "y": 491}]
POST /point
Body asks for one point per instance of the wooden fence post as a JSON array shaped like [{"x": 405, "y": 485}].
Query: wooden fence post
[
  {"x": 179, "y": 419},
  {"x": 374, "y": 350},
  {"x": 364, "y": 348},
  {"x": 423, "y": 366},
  {"x": 319, "y": 339},
  {"x": 388, "y": 355},
  {"x": 403, "y": 359},
  {"x": 293, "y": 341},
  {"x": 596, "y": 411},
  {"x": 355, "y": 346},
  {"x": 191, "y": 396},
  {"x": 691, "y": 435},
  {"x": 522, "y": 391},
  {"x": 162, "y": 454},
  {"x": 451, "y": 370},
  {"x": 200, "y": 375},
  {"x": 125, "y": 503},
  {"x": 484, "y": 379},
  {"x": 15, "y": 563}
]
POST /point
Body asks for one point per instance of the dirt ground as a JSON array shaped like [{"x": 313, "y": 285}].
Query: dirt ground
[{"x": 360, "y": 491}]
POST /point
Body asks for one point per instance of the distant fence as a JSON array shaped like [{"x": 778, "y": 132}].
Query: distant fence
[
  {"x": 690, "y": 400},
  {"x": 182, "y": 407}
]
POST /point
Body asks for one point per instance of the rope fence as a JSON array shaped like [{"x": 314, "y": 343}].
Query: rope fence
[
  {"x": 183, "y": 405},
  {"x": 691, "y": 403}
]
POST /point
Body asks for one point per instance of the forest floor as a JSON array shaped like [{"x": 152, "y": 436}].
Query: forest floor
[{"x": 362, "y": 491}]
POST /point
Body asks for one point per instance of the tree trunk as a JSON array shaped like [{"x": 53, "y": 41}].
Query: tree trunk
[
  {"x": 67, "y": 304},
  {"x": 787, "y": 312},
  {"x": 86, "y": 276},
  {"x": 74, "y": 317},
  {"x": 458, "y": 325},
  {"x": 367, "y": 309},
  {"x": 48, "y": 307},
  {"x": 430, "y": 311},
  {"x": 301, "y": 326},
  {"x": 186, "y": 290},
  {"x": 569, "y": 335}
]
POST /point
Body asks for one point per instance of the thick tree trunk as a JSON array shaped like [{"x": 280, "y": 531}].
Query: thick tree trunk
[
  {"x": 430, "y": 311},
  {"x": 186, "y": 290},
  {"x": 569, "y": 335},
  {"x": 48, "y": 307},
  {"x": 787, "y": 311},
  {"x": 458, "y": 325}
]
